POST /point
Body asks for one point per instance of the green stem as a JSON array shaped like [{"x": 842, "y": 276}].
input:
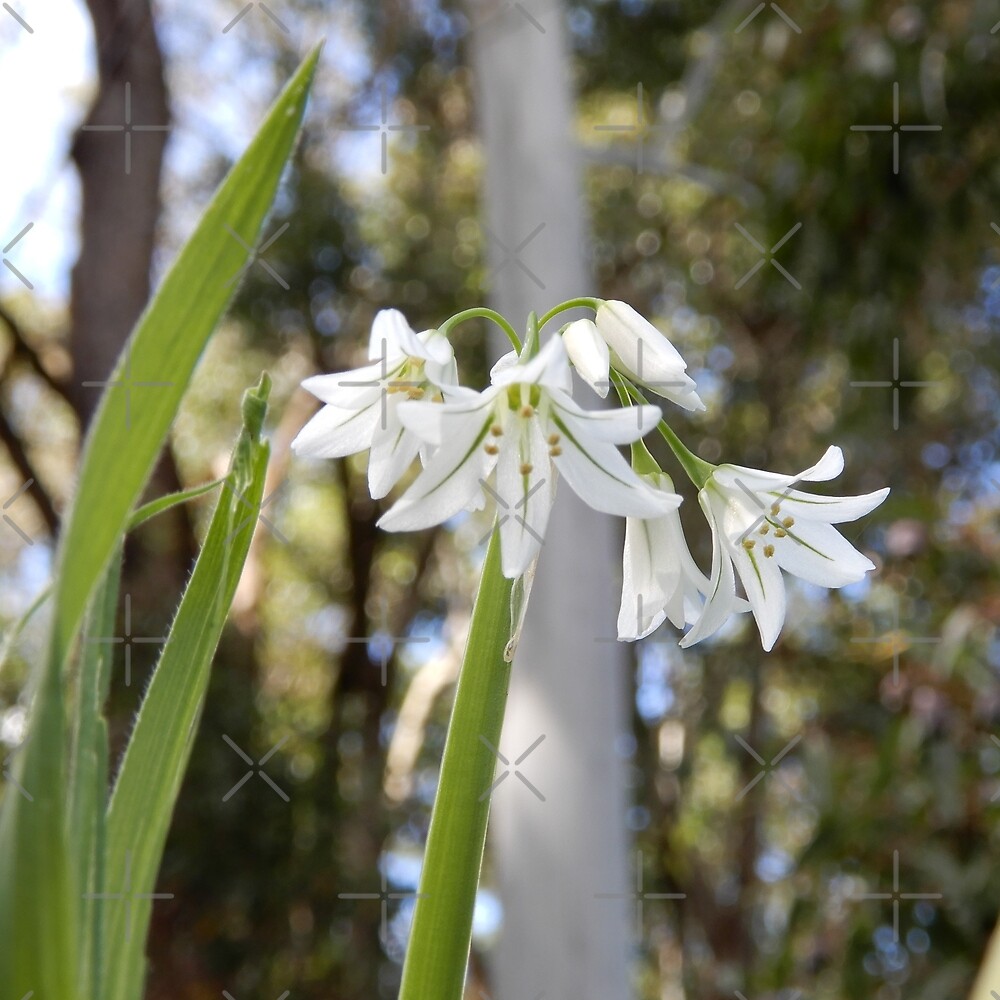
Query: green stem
[
  {"x": 481, "y": 312},
  {"x": 438, "y": 951},
  {"x": 582, "y": 303}
]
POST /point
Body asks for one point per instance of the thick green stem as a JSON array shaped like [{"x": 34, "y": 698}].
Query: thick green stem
[
  {"x": 581, "y": 303},
  {"x": 481, "y": 312},
  {"x": 438, "y": 952}
]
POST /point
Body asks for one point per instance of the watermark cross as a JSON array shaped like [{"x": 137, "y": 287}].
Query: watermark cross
[
  {"x": 256, "y": 514},
  {"x": 767, "y": 767},
  {"x": 7, "y": 264},
  {"x": 128, "y": 896},
  {"x": 522, "y": 503},
  {"x": 895, "y": 128},
  {"x": 384, "y": 129},
  {"x": 127, "y": 127},
  {"x": 384, "y": 383},
  {"x": 128, "y": 640},
  {"x": 383, "y": 641},
  {"x": 255, "y": 768},
  {"x": 896, "y": 896},
  {"x": 642, "y": 128},
  {"x": 383, "y": 896},
  {"x": 777, "y": 10},
  {"x": 508, "y": 768},
  {"x": 254, "y": 256},
  {"x": 769, "y": 514},
  {"x": 899, "y": 639},
  {"x": 895, "y": 384},
  {"x": 640, "y": 897},
  {"x": 767, "y": 257},
  {"x": 128, "y": 383},
  {"x": 264, "y": 9},
  {"x": 20, "y": 20},
  {"x": 9, "y": 502},
  {"x": 514, "y": 256}
]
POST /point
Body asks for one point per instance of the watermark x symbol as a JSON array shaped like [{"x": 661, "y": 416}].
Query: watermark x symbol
[
  {"x": 642, "y": 129},
  {"x": 502, "y": 10},
  {"x": 128, "y": 640},
  {"x": 265, "y": 10},
  {"x": 514, "y": 256},
  {"x": 895, "y": 384},
  {"x": 383, "y": 641},
  {"x": 9, "y": 777},
  {"x": 384, "y": 383},
  {"x": 21, "y": 21},
  {"x": 384, "y": 129},
  {"x": 507, "y": 768},
  {"x": 639, "y": 895},
  {"x": 9, "y": 502},
  {"x": 126, "y": 381},
  {"x": 256, "y": 768},
  {"x": 383, "y": 897},
  {"x": 895, "y": 128},
  {"x": 777, "y": 10},
  {"x": 769, "y": 514},
  {"x": 896, "y": 896},
  {"x": 767, "y": 767},
  {"x": 767, "y": 257},
  {"x": 7, "y": 264},
  {"x": 521, "y": 504},
  {"x": 899, "y": 640},
  {"x": 254, "y": 256},
  {"x": 256, "y": 514},
  {"x": 128, "y": 896},
  {"x": 128, "y": 128}
]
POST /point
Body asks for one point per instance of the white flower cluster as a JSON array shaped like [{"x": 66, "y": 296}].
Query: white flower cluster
[{"x": 524, "y": 431}]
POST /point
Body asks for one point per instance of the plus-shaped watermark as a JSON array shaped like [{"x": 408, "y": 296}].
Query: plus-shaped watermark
[
  {"x": 7, "y": 249},
  {"x": 129, "y": 897},
  {"x": 254, "y": 256},
  {"x": 20, "y": 20},
  {"x": 127, "y": 127},
  {"x": 383, "y": 896},
  {"x": 383, "y": 642},
  {"x": 510, "y": 768},
  {"x": 264, "y": 9},
  {"x": 126, "y": 382},
  {"x": 769, "y": 513},
  {"x": 767, "y": 257},
  {"x": 896, "y": 896},
  {"x": 9, "y": 777},
  {"x": 899, "y": 639},
  {"x": 895, "y": 384},
  {"x": 383, "y": 382},
  {"x": 768, "y": 767},
  {"x": 514, "y": 256},
  {"x": 777, "y": 10},
  {"x": 8, "y": 503},
  {"x": 509, "y": 511},
  {"x": 640, "y": 896},
  {"x": 642, "y": 128},
  {"x": 384, "y": 129},
  {"x": 255, "y": 768},
  {"x": 895, "y": 128},
  {"x": 256, "y": 513},
  {"x": 128, "y": 640}
]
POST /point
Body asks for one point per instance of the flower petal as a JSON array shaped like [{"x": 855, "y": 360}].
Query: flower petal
[
  {"x": 831, "y": 510},
  {"x": 334, "y": 433},
  {"x": 588, "y": 351},
  {"x": 392, "y": 337},
  {"x": 350, "y": 390},
  {"x": 819, "y": 554},
  {"x": 622, "y": 425},
  {"x": 644, "y": 591},
  {"x": 549, "y": 367},
  {"x": 393, "y": 450}
]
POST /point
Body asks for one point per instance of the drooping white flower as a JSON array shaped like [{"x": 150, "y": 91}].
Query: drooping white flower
[
  {"x": 588, "y": 351},
  {"x": 762, "y": 525},
  {"x": 644, "y": 355},
  {"x": 526, "y": 427},
  {"x": 362, "y": 406}
]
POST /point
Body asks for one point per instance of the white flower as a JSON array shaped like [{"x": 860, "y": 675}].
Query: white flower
[
  {"x": 522, "y": 425},
  {"x": 659, "y": 577},
  {"x": 588, "y": 351},
  {"x": 363, "y": 405},
  {"x": 761, "y": 525},
  {"x": 644, "y": 355}
]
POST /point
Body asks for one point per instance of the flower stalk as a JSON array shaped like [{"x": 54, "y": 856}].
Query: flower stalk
[{"x": 441, "y": 934}]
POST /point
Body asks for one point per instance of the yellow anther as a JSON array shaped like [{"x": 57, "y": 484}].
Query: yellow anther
[
  {"x": 527, "y": 410},
  {"x": 553, "y": 439},
  {"x": 490, "y": 449},
  {"x": 768, "y": 551},
  {"x": 415, "y": 393},
  {"x": 496, "y": 430},
  {"x": 775, "y": 508},
  {"x": 763, "y": 529},
  {"x": 555, "y": 451},
  {"x": 748, "y": 543},
  {"x": 780, "y": 532},
  {"x": 526, "y": 468},
  {"x": 788, "y": 522}
]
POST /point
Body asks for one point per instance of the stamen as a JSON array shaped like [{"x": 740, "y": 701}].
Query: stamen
[
  {"x": 527, "y": 410},
  {"x": 526, "y": 468},
  {"x": 553, "y": 439},
  {"x": 748, "y": 543},
  {"x": 496, "y": 430},
  {"x": 415, "y": 393},
  {"x": 555, "y": 451},
  {"x": 768, "y": 551},
  {"x": 775, "y": 509},
  {"x": 490, "y": 449},
  {"x": 780, "y": 532},
  {"x": 788, "y": 522},
  {"x": 763, "y": 529}
]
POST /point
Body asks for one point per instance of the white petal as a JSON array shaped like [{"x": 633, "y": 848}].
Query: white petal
[
  {"x": 765, "y": 587},
  {"x": 831, "y": 510},
  {"x": 434, "y": 347},
  {"x": 393, "y": 450},
  {"x": 549, "y": 367},
  {"x": 523, "y": 500},
  {"x": 622, "y": 425},
  {"x": 818, "y": 553},
  {"x": 644, "y": 591},
  {"x": 588, "y": 351},
  {"x": 350, "y": 390},
  {"x": 392, "y": 337},
  {"x": 430, "y": 420},
  {"x": 334, "y": 433},
  {"x": 828, "y": 467}
]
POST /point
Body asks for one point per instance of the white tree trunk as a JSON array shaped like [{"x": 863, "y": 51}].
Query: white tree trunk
[{"x": 553, "y": 856}]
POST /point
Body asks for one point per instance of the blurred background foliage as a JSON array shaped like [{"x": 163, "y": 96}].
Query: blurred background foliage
[{"x": 881, "y": 701}]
